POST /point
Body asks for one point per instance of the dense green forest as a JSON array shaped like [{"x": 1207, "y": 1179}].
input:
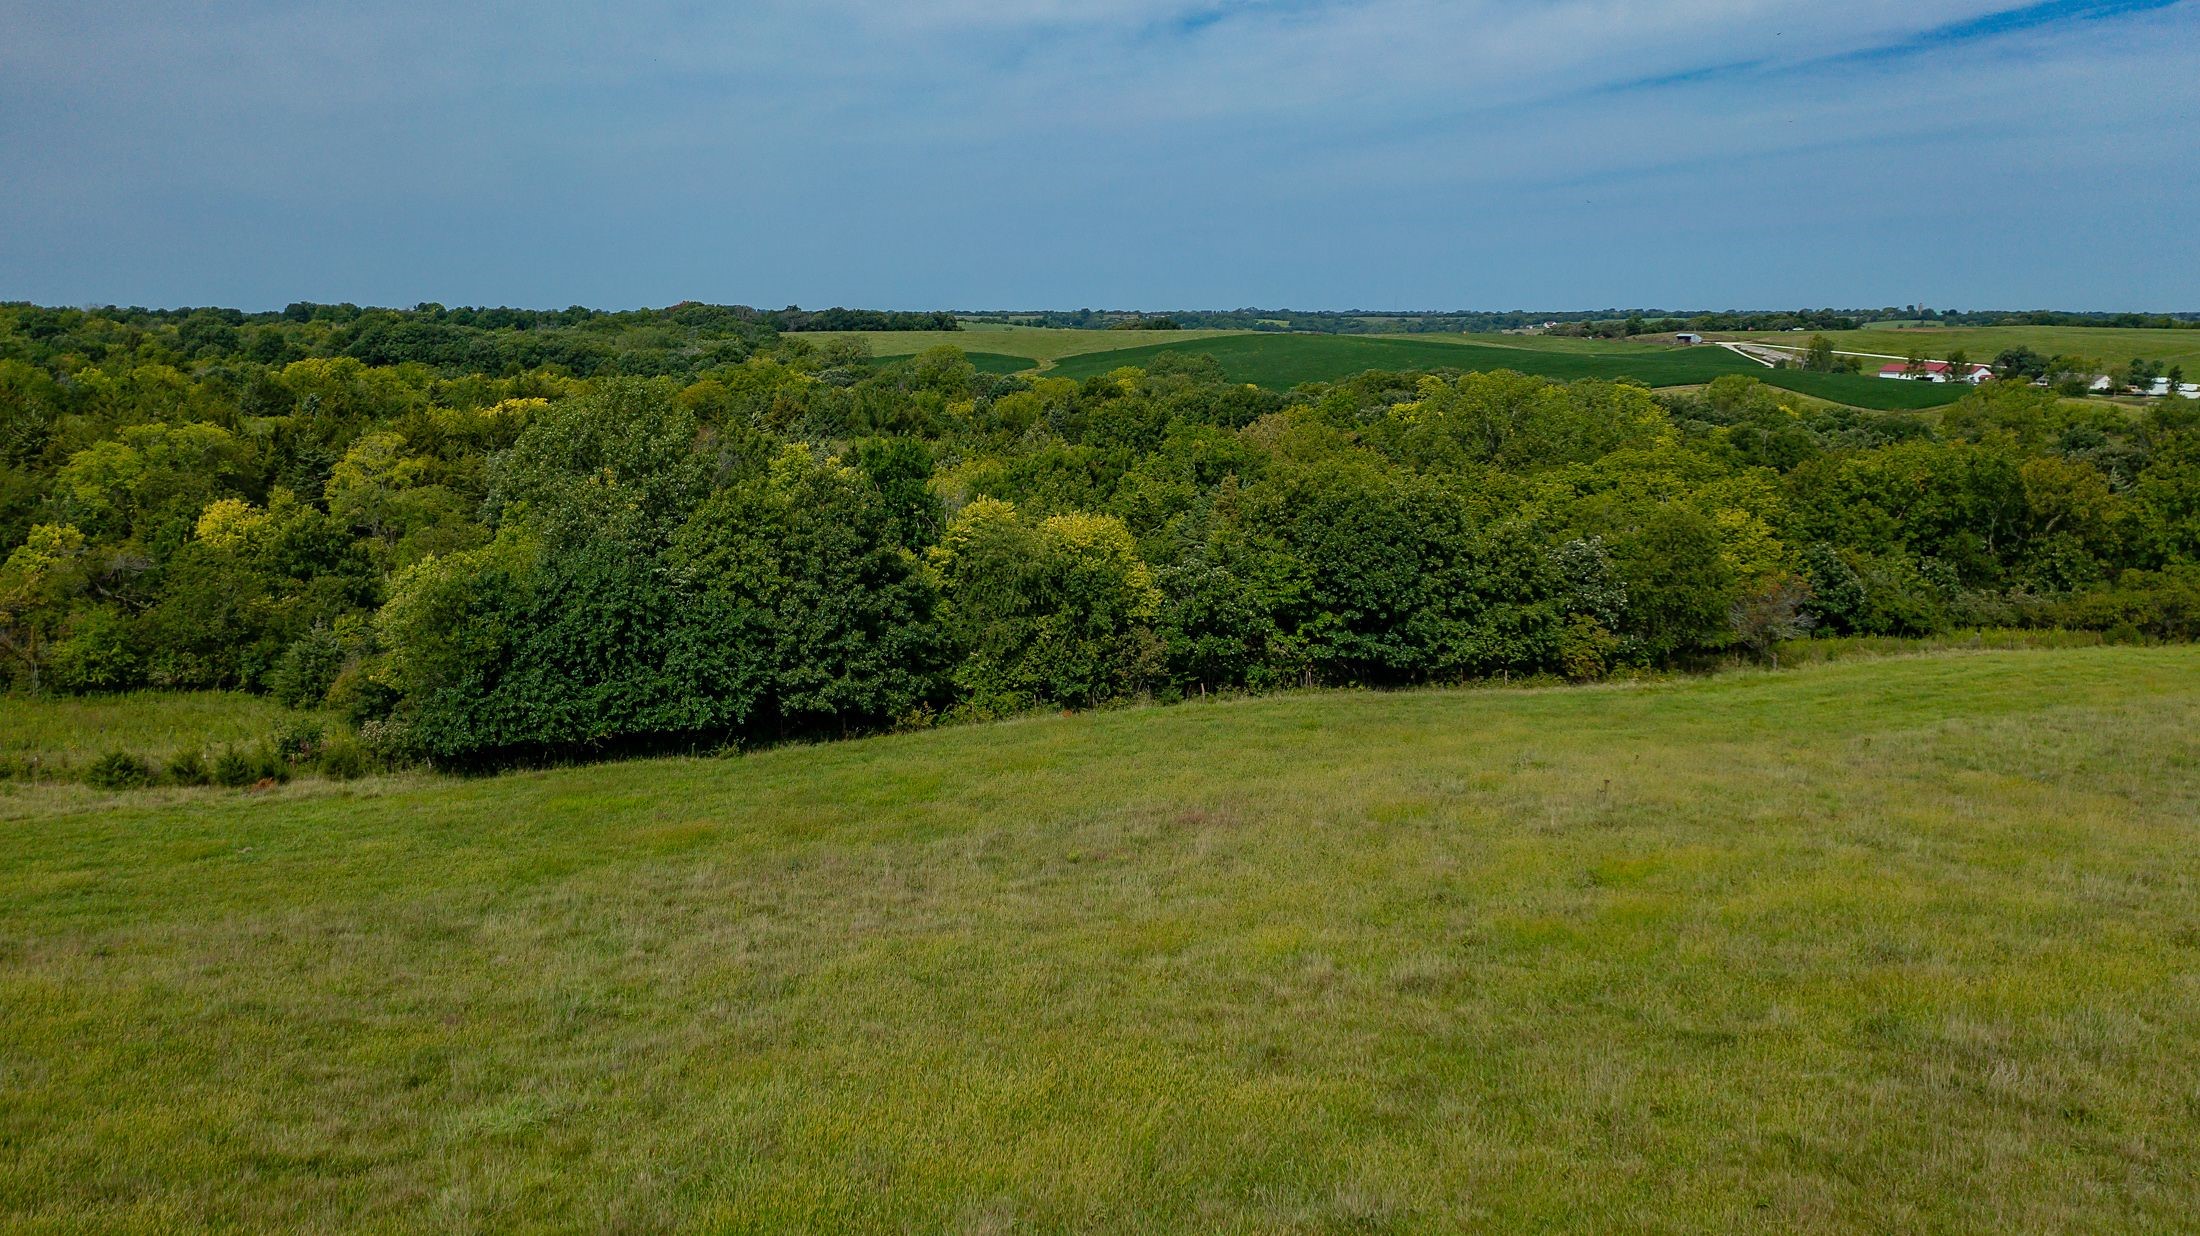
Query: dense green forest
[
  {"x": 678, "y": 341},
  {"x": 484, "y": 537}
]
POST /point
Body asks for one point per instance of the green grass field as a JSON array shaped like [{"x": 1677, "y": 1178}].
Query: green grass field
[
  {"x": 983, "y": 362},
  {"x": 1282, "y": 361},
  {"x": 56, "y": 737},
  {"x": 1891, "y": 945},
  {"x": 1033, "y": 343},
  {"x": 1287, "y": 360},
  {"x": 2109, "y": 345},
  {"x": 1864, "y": 390}
]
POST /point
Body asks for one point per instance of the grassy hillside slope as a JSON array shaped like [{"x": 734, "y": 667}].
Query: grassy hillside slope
[{"x": 1886, "y": 945}]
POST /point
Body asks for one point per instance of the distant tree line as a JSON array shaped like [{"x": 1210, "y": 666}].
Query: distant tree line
[
  {"x": 679, "y": 341},
  {"x": 2018, "y": 317},
  {"x": 2077, "y": 375},
  {"x": 794, "y": 319},
  {"x": 1368, "y": 322},
  {"x": 2037, "y": 317},
  {"x": 1610, "y": 323},
  {"x": 711, "y": 543}
]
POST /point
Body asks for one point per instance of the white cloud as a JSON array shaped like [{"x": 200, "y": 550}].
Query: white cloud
[{"x": 1127, "y": 118}]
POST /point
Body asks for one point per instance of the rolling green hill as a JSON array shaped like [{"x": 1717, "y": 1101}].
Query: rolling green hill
[
  {"x": 1884, "y": 945},
  {"x": 1287, "y": 360},
  {"x": 1284, "y": 361}
]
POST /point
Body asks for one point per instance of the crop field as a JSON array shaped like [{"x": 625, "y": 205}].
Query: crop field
[
  {"x": 983, "y": 362},
  {"x": 1285, "y": 360},
  {"x": 1864, "y": 390},
  {"x": 2109, "y": 345},
  {"x": 1906, "y": 944},
  {"x": 996, "y": 362},
  {"x": 1033, "y": 343}
]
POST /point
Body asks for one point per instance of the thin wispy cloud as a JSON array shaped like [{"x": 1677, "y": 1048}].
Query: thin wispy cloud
[{"x": 1149, "y": 152}]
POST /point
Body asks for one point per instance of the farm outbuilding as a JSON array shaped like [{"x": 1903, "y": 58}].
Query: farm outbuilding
[
  {"x": 1688, "y": 337},
  {"x": 1937, "y": 371}
]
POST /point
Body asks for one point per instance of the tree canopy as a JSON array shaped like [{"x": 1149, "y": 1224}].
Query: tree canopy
[{"x": 702, "y": 531}]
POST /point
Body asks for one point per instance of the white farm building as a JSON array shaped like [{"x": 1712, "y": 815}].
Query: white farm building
[{"x": 1937, "y": 371}]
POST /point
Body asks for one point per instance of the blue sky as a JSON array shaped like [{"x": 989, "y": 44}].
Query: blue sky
[{"x": 1116, "y": 153}]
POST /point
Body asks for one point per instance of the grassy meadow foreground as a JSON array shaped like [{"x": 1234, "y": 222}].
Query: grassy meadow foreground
[{"x": 1902, "y": 944}]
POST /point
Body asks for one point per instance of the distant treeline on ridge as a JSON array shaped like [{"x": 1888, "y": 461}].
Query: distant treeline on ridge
[
  {"x": 1576, "y": 321},
  {"x": 677, "y": 341}
]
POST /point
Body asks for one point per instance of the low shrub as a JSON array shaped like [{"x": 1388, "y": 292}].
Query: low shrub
[
  {"x": 344, "y": 759},
  {"x": 390, "y": 741},
  {"x": 118, "y": 770},
  {"x": 2154, "y": 604},
  {"x": 299, "y": 742},
  {"x": 188, "y": 767},
  {"x": 272, "y": 763},
  {"x": 235, "y": 769}
]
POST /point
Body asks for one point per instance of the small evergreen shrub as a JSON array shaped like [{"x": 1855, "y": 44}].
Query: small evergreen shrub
[
  {"x": 188, "y": 767},
  {"x": 118, "y": 770},
  {"x": 234, "y": 769},
  {"x": 272, "y": 764}
]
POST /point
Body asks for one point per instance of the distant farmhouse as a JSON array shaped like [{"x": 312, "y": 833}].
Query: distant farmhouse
[{"x": 1936, "y": 371}]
